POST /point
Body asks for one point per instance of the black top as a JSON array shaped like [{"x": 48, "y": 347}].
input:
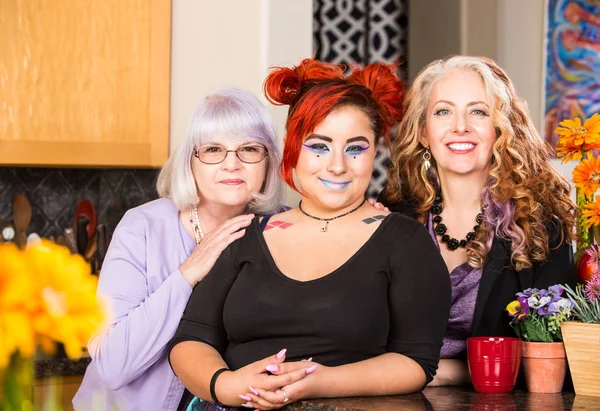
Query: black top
[
  {"x": 500, "y": 281},
  {"x": 392, "y": 295}
]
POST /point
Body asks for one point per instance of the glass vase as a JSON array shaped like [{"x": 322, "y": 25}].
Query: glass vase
[
  {"x": 16, "y": 384},
  {"x": 585, "y": 236}
]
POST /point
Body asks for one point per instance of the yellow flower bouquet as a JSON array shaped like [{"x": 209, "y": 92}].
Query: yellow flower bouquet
[
  {"x": 580, "y": 142},
  {"x": 47, "y": 296}
]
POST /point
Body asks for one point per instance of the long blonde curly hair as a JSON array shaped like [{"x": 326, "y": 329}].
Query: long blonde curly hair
[{"x": 523, "y": 193}]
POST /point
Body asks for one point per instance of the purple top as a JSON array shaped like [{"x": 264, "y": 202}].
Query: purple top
[
  {"x": 465, "y": 286},
  {"x": 147, "y": 295}
]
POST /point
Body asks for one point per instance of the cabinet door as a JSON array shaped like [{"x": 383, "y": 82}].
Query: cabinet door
[{"x": 84, "y": 83}]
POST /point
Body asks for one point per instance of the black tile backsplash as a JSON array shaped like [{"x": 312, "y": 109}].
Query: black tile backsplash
[{"x": 55, "y": 192}]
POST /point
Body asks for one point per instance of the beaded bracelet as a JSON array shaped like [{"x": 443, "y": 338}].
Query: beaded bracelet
[{"x": 213, "y": 382}]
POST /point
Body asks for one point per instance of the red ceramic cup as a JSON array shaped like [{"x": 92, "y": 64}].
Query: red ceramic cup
[{"x": 494, "y": 363}]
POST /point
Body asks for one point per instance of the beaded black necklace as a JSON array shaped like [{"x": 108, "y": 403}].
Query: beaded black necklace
[{"x": 440, "y": 228}]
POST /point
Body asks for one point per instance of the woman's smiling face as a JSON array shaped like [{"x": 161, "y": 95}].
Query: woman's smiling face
[
  {"x": 458, "y": 128},
  {"x": 336, "y": 161}
]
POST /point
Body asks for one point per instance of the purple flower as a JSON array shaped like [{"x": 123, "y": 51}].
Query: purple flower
[
  {"x": 548, "y": 309},
  {"x": 524, "y": 304},
  {"x": 535, "y": 302},
  {"x": 564, "y": 303},
  {"x": 555, "y": 291},
  {"x": 527, "y": 293}
]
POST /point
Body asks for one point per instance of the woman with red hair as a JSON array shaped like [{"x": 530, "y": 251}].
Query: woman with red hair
[{"x": 333, "y": 298}]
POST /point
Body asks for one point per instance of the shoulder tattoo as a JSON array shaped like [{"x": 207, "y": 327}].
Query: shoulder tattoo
[
  {"x": 373, "y": 219},
  {"x": 278, "y": 224}
]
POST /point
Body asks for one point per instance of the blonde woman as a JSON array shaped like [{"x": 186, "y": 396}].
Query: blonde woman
[{"x": 469, "y": 164}]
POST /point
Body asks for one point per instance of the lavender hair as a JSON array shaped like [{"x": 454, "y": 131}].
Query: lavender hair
[{"x": 236, "y": 114}]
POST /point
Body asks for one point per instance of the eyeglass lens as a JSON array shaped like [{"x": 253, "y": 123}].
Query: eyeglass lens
[{"x": 246, "y": 154}]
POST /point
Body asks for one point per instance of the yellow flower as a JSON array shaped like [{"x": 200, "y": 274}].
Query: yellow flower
[
  {"x": 591, "y": 214},
  {"x": 513, "y": 307},
  {"x": 67, "y": 308},
  {"x": 17, "y": 304},
  {"x": 586, "y": 176},
  {"x": 46, "y": 295},
  {"x": 574, "y": 133}
]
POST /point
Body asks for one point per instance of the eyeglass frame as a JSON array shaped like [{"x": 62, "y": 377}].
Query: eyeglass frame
[{"x": 237, "y": 154}]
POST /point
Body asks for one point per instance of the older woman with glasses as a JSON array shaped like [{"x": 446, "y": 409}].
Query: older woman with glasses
[{"x": 224, "y": 171}]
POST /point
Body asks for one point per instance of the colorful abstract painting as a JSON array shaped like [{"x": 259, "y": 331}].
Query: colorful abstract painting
[{"x": 573, "y": 62}]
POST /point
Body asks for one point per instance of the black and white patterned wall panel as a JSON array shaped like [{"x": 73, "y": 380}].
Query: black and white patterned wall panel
[
  {"x": 339, "y": 30},
  {"x": 362, "y": 31}
]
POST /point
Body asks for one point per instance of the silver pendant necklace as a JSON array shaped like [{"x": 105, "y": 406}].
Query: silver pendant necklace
[{"x": 327, "y": 220}]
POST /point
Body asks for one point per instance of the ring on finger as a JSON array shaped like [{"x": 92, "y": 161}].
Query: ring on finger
[{"x": 285, "y": 397}]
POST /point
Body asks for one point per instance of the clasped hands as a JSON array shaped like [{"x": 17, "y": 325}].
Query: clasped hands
[{"x": 270, "y": 383}]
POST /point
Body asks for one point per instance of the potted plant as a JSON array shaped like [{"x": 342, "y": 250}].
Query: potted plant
[
  {"x": 537, "y": 315},
  {"x": 580, "y": 141},
  {"x": 582, "y": 337}
]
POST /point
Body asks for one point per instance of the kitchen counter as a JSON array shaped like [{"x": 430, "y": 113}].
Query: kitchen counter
[
  {"x": 60, "y": 367},
  {"x": 433, "y": 398},
  {"x": 453, "y": 399}
]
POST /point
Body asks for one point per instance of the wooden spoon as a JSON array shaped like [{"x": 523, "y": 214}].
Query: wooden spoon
[{"x": 21, "y": 218}]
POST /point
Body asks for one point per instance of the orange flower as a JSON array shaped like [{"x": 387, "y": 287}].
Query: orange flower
[
  {"x": 574, "y": 133},
  {"x": 587, "y": 176},
  {"x": 567, "y": 150},
  {"x": 591, "y": 214}
]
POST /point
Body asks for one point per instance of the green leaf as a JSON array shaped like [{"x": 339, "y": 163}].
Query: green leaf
[
  {"x": 518, "y": 329},
  {"x": 537, "y": 331}
]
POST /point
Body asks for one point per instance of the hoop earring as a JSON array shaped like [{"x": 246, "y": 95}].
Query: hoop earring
[{"x": 426, "y": 159}]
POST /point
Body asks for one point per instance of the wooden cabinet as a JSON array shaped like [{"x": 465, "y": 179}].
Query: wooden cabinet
[
  {"x": 84, "y": 83},
  {"x": 60, "y": 390}
]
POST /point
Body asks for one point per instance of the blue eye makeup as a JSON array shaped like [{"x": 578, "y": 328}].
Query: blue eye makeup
[
  {"x": 318, "y": 148},
  {"x": 356, "y": 149}
]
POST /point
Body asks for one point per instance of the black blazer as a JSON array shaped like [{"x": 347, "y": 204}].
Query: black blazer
[{"x": 500, "y": 281}]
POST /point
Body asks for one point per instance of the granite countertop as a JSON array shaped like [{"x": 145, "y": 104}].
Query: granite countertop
[
  {"x": 452, "y": 399},
  {"x": 432, "y": 398},
  {"x": 60, "y": 367}
]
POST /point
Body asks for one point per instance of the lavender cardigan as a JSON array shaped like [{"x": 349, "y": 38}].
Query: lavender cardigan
[{"x": 147, "y": 295}]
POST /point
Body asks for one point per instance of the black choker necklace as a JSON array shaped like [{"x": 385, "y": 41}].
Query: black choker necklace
[
  {"x": 327, "y": 220},
  {"x": 440, "y": 228}
]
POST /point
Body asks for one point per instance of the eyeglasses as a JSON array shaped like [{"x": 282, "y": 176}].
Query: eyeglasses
[{"x": 216, "y": 154}]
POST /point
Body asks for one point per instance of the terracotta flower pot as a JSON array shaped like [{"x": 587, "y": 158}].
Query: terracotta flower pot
[
  {"x": 582, "y": 343},
  {"x": 544, "y": 366}
]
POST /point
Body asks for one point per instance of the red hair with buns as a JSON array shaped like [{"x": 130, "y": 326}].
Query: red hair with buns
[{"x": 314, "y": 89}]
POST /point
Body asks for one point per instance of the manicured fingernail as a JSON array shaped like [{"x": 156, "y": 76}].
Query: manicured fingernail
[
  {"x": 311, "y": 369},
  {"x": 253, "y": 390},
  {"x": 281, "y": 353},
  {"x": 272, "y": 368},
  {"x": 245, "y": 397},
  {"x": 310, "y": 359},
  {"x": 248, "y": 405}
]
